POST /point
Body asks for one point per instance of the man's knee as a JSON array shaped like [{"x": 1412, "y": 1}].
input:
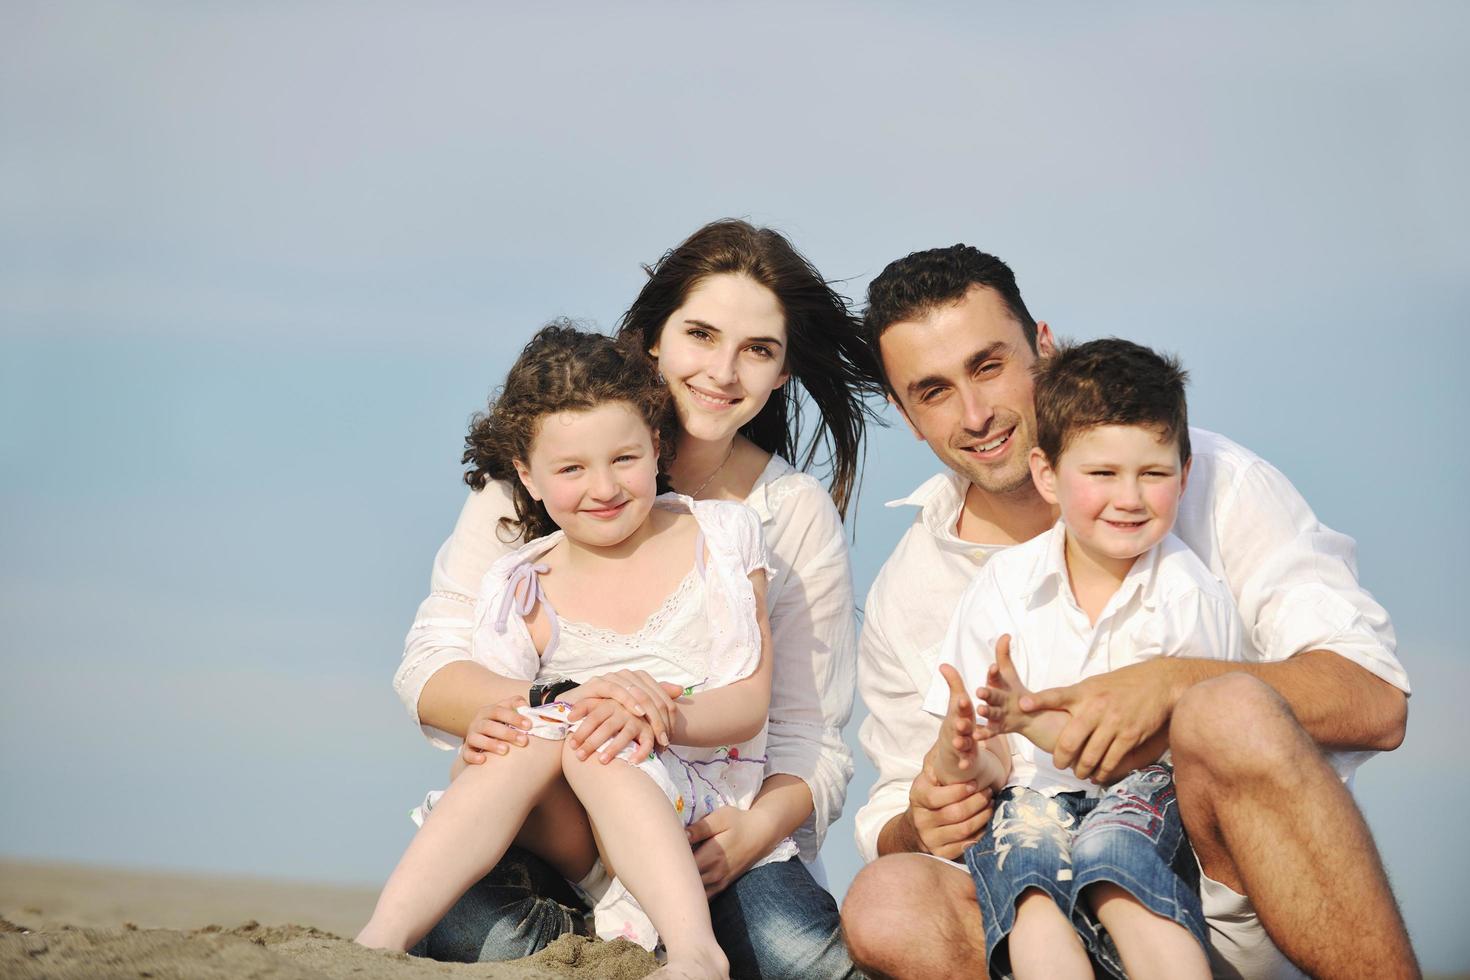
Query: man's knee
[
  {"x": 908, "y": 902},
  {"x": 1235, "y": 730}
]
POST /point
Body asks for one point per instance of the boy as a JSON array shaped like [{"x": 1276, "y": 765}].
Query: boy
[{"x": 1067, "y": 875}]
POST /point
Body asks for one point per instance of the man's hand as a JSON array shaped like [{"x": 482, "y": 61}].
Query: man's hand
[
  {"x": 1117, "y": 719},
  {"x": 946, "y": 819},
  {"x": 726, "y": 843}
]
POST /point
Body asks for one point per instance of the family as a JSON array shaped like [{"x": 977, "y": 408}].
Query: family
[{"x": 1118, "y": 675}]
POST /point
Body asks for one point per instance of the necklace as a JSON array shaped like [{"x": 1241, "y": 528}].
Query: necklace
[{"x": 716, "y": 472}]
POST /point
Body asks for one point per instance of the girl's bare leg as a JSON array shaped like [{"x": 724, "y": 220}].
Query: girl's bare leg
[
  {"x": 644, "y": 840},
  {"x": 466, "y": 833},
  {"x": 1043, "y": 942},
  {"x": 1151, "y": 945}
]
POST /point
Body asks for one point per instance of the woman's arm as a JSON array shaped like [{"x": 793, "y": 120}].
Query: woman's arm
[
  {"x": 735, "y": 712},
  {"x": 814, "y": 664}
]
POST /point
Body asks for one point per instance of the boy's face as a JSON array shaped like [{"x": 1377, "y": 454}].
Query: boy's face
[{"x": 1118, "y": 489}]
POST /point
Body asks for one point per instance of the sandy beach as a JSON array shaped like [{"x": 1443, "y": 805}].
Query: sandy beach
[{"x": 68, "y": 921}]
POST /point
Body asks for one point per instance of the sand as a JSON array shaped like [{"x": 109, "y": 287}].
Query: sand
[{"x": 67, "y": 921}]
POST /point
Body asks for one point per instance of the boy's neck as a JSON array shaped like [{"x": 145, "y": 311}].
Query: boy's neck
[{"x": 1095, "y": 578}]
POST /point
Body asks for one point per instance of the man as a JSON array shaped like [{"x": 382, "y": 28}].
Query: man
[{"x": 1259, "y": 749}]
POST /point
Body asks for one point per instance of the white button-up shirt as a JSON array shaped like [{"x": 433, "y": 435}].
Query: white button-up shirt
[
  {"x": 1294, "y": 581},
  {"x": 808, "y": 599},
  {"x": 1168, "y": 605}
]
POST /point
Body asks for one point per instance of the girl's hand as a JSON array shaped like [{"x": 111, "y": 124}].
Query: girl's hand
[
  {"x": 606, "y": 721},
  {"x": 726, "y": 843},
  {"x": 636, "y": 691},
  {"x": 494, "y": 729}
]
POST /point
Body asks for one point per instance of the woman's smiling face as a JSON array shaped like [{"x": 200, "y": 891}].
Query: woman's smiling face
[{"x": 722, "y": 353}]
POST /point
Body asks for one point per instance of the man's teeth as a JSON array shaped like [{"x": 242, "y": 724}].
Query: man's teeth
[{"x": 986, "y": 447}]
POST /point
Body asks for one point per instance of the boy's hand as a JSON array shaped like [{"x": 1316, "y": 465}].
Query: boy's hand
[
  {"x": 953, "y": 758},
  {"x": 1002, "y": 712}
]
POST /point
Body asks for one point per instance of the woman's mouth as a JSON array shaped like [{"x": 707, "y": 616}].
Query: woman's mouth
[{"x": 710, "y": 400}]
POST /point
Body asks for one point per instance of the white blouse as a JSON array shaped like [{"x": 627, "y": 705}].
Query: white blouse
[{"x": 808, "y": 599}]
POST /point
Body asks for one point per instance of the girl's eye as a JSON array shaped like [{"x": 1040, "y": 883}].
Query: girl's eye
[
  {"x": 569, "y": 469},
  {"x": 626, "y": 457}
]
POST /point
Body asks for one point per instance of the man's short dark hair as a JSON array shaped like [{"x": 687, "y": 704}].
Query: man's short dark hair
[
  {"x": 1109, "y": 382},
  {"x": 921, "y": 282}
]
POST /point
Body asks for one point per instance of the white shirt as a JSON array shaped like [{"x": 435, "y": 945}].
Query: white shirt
[
  {"x": 1294, "y": 581},
  {"x": 1168, "y": 605},
  {"x": 808, "y": 599}
]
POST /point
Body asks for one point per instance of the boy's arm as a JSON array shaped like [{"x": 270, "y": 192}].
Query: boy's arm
[{"x": 733, "y": 712}]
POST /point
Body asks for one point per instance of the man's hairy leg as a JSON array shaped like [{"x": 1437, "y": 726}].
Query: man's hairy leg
[
  {"x": 909, "y": 915},
  {"x": 1269, "y": 817}
]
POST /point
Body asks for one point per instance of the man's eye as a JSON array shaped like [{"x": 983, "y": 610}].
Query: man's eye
[{"x": 989, "y": 367}]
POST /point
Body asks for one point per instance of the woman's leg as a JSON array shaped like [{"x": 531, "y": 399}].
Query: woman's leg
[
  {"x": 1151, "y": 946},
  {"x": 464, "y": 836},
  {"x": 643, "y": 839},
  {"x": 776, "y": 921}
]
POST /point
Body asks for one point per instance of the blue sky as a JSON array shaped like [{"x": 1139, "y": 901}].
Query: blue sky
[{"x": 259, "y": 263}]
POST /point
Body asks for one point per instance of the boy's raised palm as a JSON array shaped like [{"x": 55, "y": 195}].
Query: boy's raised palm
[
  {"x": 955, "y": 756},
  {"x": 1001, "y": 709}
]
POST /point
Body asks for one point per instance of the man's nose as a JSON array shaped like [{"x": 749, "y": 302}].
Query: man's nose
[{"x": 977, "y": 409}]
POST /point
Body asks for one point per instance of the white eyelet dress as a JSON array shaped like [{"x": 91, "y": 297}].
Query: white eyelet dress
[{"x": 704, "y": 635}]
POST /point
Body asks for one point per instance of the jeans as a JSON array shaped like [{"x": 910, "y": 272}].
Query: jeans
[
  {"x": 774, "y": 921},
  {"x": 1131, "y": 836}
]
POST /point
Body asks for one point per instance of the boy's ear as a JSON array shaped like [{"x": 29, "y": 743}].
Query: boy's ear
[
  {"x": 1184, "y": 474},
  {"x": 1043, "y": 476},
  {"x": 524, "y": 473}
]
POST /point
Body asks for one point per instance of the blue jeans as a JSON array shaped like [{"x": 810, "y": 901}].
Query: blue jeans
[
  {"x": 774, "y": 921},
  {"x": 1131, "y": 836}
]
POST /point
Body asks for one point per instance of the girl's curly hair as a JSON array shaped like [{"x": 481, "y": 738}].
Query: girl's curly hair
[{"x": 562, "y": 369}]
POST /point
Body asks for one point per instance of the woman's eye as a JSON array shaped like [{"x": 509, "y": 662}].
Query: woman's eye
[
  {"x": 761, "y": 350},
  {"x": 697, "y": 333}
]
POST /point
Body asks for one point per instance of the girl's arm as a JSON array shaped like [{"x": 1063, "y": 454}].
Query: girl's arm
[{"x": 735, "y": 712}]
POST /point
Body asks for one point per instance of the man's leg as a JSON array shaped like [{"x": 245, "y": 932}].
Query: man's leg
[
  {"x": 911, "y": 915},
  {"x": 776, "y": 922},
  {"x": 1269, "y": 817}
]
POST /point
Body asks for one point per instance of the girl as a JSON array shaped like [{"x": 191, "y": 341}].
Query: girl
[
  {"x": 629, "y": 580},
  {"x": 746, "y": 334}
]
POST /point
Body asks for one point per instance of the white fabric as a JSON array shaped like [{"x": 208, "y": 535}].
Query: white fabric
[
  {"x": 1294, "y": 582},
  {"x": 808, "y": 599},
  {"x": 1168, "y": 605},
  {"x": 1239, "y": 946}
]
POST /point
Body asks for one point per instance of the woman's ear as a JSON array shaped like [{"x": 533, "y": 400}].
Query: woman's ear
[
  {"x": 1043, "y": 476},
  {"x": 524, "y": 472}
]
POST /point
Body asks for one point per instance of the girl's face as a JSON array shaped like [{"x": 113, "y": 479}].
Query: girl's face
[
  {"x": 596, "y": 472},
  {"x": 722, "y": 353}
]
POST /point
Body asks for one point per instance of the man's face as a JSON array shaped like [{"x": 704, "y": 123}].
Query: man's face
[{"x": 962, "y": 377}]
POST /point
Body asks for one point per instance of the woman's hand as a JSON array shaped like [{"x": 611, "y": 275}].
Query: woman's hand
[
  {"x": 494, "y": 729},
  {"x": 727, "y": 842},
  {"x": 636, "y": 691},
  {"x": 608, "y": 727}
]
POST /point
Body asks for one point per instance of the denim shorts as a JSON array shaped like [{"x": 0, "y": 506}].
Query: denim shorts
[{"x": 1131, "y": 836}]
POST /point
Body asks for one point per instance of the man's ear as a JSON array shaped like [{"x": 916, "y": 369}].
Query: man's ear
[
  {"x": 524, "y": 473},
  {"x": 1043, "y": 476},
  {"x": 907, "y": 421},
  {"x": 1046, "y": 344}
]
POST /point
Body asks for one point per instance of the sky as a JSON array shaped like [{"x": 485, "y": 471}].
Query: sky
[{"x": 260, "y": 262}]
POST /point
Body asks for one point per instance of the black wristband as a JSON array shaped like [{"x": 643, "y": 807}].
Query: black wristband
[{"x": 544, "y": 693}]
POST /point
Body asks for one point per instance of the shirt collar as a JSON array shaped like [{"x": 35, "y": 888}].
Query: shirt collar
[
  {"x": 1049, "y": 575},
  {"x": 940, "y": 499}
]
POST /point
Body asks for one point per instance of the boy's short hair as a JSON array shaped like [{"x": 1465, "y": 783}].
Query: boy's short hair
[{"x": 1109, "y": 382}]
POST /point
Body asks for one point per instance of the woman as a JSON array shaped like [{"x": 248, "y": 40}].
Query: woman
[{"x": 733, "y": 316}]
